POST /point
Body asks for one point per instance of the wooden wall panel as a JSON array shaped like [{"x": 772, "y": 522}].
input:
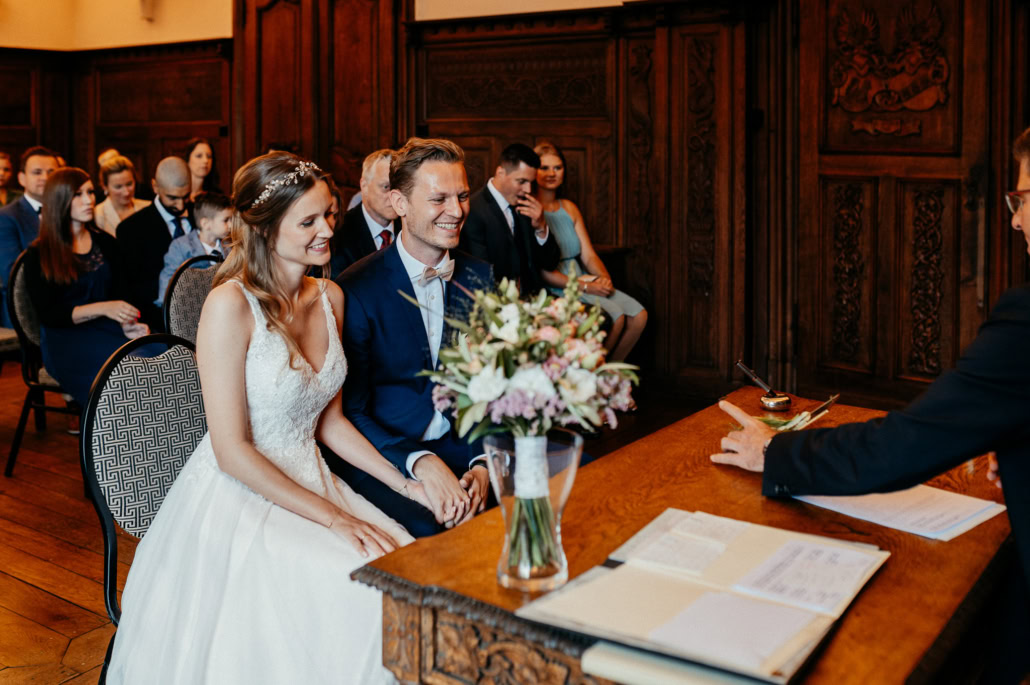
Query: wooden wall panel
[
  {"x": 35, "y": 98},
  {"x": 847, "y": 249}
]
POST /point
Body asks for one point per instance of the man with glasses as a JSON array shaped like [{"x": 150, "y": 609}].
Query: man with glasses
[{"x": 981, "y": 405}]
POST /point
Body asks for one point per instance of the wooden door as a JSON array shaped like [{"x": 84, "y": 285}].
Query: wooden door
[{"x": 891, "y": 254}]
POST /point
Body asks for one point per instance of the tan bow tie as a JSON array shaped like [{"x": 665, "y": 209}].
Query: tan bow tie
[{"x": 444, "y": 272}]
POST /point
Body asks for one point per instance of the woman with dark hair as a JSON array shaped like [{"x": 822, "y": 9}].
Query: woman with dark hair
[
  {"x": 200, "y": 157},
  {"x": 7, "y": 193},
  {"x": 72, "y": 274},
  {"x": 580, "y": 260},
  {"x": 243, "y": 577}
]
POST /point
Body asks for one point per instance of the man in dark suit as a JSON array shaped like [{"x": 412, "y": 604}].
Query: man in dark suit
[
  {"x": 388, "y": 341},
  {"x": 506, "y": 225},
  {"x": 144, "y": 237},
  {"x": 982, "y": 405},
  {"x": 370, "y": 225},
  {"x": 19, "y": 221}
]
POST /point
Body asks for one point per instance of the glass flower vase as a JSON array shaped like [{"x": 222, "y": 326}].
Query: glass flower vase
[{"x": 531, "y": 478}]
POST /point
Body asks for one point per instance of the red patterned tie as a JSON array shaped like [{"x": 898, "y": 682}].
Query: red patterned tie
[{"x": 387, "y": 237}]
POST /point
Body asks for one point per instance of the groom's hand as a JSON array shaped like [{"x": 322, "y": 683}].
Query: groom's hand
[
  {"x": 476, "y": 480},
  {"x": 450, "y": 501}
]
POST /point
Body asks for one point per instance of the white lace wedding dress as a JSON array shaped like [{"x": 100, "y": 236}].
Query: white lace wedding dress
[{"x": 227, "y": 587}]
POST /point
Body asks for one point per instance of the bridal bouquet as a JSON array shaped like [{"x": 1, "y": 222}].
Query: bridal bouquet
[{"x": 522, "y": 367}]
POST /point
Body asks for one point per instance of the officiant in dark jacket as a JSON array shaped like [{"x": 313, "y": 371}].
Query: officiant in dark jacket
[
  {"x": 506, "y": 225},
  {"x": 981, "y": 405},
  {"x": 388, "y": 340}
]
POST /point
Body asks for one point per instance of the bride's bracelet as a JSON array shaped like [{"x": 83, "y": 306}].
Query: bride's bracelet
[{"x": 403, "y": 490}]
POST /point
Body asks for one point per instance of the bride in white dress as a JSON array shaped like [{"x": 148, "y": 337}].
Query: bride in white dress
[{"x": 243, "y": 577}]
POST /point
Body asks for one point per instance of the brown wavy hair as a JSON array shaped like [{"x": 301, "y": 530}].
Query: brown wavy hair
[
  {"x": 254, "y": 231},
  {"x": 56, "y": 259}
]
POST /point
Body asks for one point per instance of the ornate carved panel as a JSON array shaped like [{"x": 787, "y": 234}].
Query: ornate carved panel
[
  {"x": 500, "y": 82},
  {"x": 640, "y": 129},
  {"x": 701, "y": 136},
  {"x": 401, "y": 624},
  {"x": 469, "y": 651},
  {"x": 846, "y": 286},
  {"x": 928, "y": 331},
  {"x": 189, "y": 91},
  {"x": 892, "y": 78}
]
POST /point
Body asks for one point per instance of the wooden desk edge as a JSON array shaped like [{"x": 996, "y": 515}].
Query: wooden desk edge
[{"x": 431, "y": 634}]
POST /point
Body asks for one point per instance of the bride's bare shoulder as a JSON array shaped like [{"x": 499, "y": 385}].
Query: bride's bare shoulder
[{"x": 226, "y": 304}]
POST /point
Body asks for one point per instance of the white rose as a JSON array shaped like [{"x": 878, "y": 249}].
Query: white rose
[
  {"x": 509, "y": 313},
  {"x": 509, "y": 332},
  {"x": 578, "y": 386},
  {"x": 487, "y": 385},
  {"x": 534, "y": 381}
]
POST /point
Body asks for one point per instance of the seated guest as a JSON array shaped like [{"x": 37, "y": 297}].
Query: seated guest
[
  {"x": 8, "y": 193},
  {"x": 214, "y": 217},
  {"x": 369, "y": 226},
  {"x": 144, "y": 237},
  {"x": 200, "y": 157},
  {"x": 388, "y": 341},
  {"x": 108, "y": 153},
  {"x": 19, "y": 221},
  {"x": 979, "y": 406},
  {"x": 72, "y": 274},
  {"x": 118, "y": 179},
  {"x": 578, "y": 257},
  {"x": 506, "y": 225}
]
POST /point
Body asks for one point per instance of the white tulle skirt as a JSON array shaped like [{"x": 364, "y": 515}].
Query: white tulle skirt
[{"x": 227, "y": 587}]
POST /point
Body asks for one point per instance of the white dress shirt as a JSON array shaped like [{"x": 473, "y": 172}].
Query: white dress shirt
[
  {"x": 33, "y": 203},
  {"x": 377, "y": 230},
  {"x": 172, "y": 221},
  {"x": 508, "y": 212},
  {"x": 431, "y": 298}
]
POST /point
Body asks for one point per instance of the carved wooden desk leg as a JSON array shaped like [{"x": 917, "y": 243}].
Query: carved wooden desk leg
[
  {"x": 459, "y": 649},
  {"x": 401, "y": 640}
]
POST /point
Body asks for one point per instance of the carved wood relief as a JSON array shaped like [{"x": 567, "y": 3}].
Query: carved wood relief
[
  {"x": 848, "y": 271},
  {"x": 401, "y": 623},
  {"x": 470, "y": 651},
  {"x": 700, "y": 154},
  {"x": 890, "y": 75},
  {"x": 641, "y": 133},
  {"x": 927, "y": 277},
  {"x": 502, "y": 82}
]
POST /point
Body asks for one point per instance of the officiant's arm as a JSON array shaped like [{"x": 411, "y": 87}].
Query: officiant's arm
[{"x": 223, "y": 336}]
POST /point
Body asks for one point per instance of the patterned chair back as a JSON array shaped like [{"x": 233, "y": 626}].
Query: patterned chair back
[
  {"x": 187, "y": 290},
  {"x": 145, "y": 418},
  {"x": 23, "y": 310}
]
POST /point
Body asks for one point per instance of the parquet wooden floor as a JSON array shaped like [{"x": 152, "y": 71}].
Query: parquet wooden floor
[{"x": 53, "y": 625}]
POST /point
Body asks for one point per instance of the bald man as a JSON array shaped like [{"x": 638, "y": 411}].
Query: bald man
[{"x": 144, "y": 237}]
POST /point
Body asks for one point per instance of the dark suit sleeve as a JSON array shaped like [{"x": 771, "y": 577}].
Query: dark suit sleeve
[
  {"x": 10, "y": 247},
  {"x": 547, "y": 255},
  {"x": 981, "y": 405},
  {"x": 130, "y": 263},
  {"x": 357, "y": 340},
  {"x": 473, "y": 238}
]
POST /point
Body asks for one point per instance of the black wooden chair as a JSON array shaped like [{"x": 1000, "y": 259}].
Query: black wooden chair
[
  {"x": 37, "y": 380},
  {"x": 184, "y": 298},
  {"x": 144, "y": 418}
]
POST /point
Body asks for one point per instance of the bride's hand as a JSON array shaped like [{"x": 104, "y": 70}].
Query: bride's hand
[
  {"x": 368, "y": 539},
  {"x": 417, "y": 492}
]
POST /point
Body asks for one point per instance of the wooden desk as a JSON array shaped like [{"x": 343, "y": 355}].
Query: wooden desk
[{"x": 446, "y": 620}]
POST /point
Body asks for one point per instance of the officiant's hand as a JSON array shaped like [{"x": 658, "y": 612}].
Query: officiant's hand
[
  {"x": 476, "y": 480},
  {"x": 449, "y": 500},
  {"x": 744, "y": 448}
]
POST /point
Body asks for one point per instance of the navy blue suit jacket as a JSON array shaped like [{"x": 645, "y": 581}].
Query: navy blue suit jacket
[
  {"x": 983, "y": 404},
  {"x": 19, "y": 226},
  {"x": 386, "y": 345}
]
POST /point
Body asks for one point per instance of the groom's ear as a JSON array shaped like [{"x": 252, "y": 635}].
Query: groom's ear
[{"x": 399, "y": 202}]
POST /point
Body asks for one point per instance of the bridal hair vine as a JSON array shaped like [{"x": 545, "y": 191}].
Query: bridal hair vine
[{"x": 289, "y": 179}]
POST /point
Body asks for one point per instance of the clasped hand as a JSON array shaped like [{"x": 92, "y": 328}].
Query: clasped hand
[{"x": 448, "y": 499}]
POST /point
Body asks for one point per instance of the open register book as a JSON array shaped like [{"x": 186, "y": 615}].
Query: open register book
[{"x": 739, "y": 596}]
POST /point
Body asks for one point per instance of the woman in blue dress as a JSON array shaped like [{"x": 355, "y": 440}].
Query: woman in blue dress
[
  {"x": 580, "y": 260},
  {"x": 72, "y": 274}
]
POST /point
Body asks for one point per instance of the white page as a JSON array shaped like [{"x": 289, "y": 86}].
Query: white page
[
  {"x": 717, "y": 528},
  {"x": 692, "y": 555},
  {"x": 732, "y": 630},
  {"x": 922, "y": 510},
  {"x": 809, "y": 575},
  {"x": 655, "y": 529}
]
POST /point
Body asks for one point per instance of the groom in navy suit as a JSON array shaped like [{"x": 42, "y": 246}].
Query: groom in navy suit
[{"x": 388, "y": 341}]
